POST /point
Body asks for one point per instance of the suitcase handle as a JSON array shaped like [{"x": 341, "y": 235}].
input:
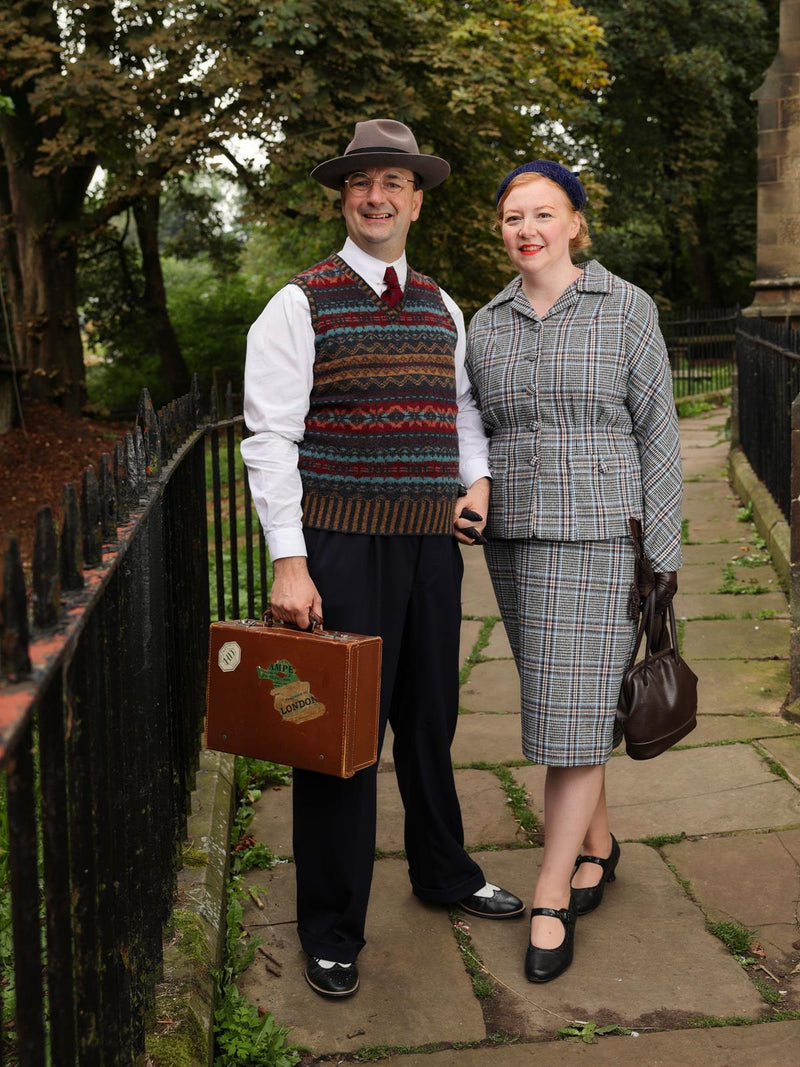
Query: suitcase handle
[{"x": 270, "y": 620}]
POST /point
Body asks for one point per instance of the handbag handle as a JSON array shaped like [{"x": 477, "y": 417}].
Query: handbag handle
[{"x": 646, "y": 630}]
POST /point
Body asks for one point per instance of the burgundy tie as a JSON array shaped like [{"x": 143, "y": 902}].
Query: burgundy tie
[{"x": 392, "y": 294}]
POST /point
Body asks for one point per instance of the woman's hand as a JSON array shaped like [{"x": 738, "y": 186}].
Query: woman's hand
[
  {"x": 666, "y": 586},
  {"x": 470, "y": 513}
]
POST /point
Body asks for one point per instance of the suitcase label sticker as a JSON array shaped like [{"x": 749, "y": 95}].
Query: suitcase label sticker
[
  {"x": 292, "y": 697},
  {"x": 229, "y": 656}
]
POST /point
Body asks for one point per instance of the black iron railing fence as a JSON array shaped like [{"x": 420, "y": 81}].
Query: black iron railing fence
[
  {"x": 101, "y": 706},
  {"x": 701, "y": 346},
  {"x": 768, "y": 364}
]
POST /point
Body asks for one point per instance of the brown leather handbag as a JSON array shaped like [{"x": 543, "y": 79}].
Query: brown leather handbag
[
  {"x": 308, "y": 699},
  {"x": 658, "y": 701}
]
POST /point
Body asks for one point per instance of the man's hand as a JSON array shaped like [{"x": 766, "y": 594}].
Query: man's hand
[
  {"x": 477, "y": 502},
  {"x": 294, "y": 596}
]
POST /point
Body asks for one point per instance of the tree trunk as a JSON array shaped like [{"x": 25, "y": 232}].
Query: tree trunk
[
  {"x": 39, "y": 262},
  {"x": 146, "y": 213}
]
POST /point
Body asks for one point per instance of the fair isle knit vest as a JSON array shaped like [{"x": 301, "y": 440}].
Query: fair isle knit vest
[{"x": 380, "y": 450}]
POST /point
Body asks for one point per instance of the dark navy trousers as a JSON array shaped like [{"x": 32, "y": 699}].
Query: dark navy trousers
[{"x": 408, "y": 590}]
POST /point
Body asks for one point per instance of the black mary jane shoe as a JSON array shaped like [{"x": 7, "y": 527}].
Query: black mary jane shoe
[
  {"x": 500, "y": 905},
  {"x": 588, "y": 898},
  {"x": 336, "y": 981},
  {"x": 545, "y": 964}
]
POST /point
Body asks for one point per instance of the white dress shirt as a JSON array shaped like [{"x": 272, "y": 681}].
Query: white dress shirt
[{"x": 278, "y": 377}]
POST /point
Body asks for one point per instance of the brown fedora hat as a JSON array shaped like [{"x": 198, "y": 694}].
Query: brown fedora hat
[{"x": 382, "y": 143}]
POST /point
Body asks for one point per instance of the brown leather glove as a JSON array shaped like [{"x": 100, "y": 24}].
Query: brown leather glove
[{"x": 666, "y": 586}]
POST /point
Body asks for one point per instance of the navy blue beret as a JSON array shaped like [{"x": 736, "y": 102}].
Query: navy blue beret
[{"x": 568, "y": 181}]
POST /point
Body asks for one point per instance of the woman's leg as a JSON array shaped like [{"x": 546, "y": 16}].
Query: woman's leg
[
  {"x": 571, "y": 799},
  {"x": 597, "y": 842}
]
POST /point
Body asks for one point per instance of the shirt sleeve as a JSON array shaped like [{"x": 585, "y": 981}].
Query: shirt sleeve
[
  {"x": 655, "y": 427},
  {"x": 473, "y": 446},
  {"x": 278, "y": 376}
]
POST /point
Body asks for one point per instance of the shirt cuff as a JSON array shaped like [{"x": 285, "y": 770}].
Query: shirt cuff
[
  {"x": 471, "y": 470},
  {"x": 286, "y": 542}
]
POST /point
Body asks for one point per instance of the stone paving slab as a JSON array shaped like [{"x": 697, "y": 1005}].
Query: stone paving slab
[
  {"x": 711, "y": 729},
  {"x": 470, "y": 632},
  {"x": 786, "y": 751},
  {"x": 414, "y": 988},
  {"x": 477, "y": 595},
  {"x": 739, "y": 688},
  {"x": 736, "y": 639},
  {"x": 709, "y": 577},
  {"x": 763, "y": 896},
  {"x": 492, "y": 687},
  {"x": 484, "y": 809},
  {"x": 699, "y": 554},
  {"x": 498, "y": 645},
  {"x": 771, "y": 1045},
  {"x": 702, "y": 468},
  {"x": 490, "y": 737},
  {"x": 631, "y": 955},
  {"x": 700, "y": 578},
  {"x": 272, "y": 820},
  {"x": 721, "y": 605},
  {"x": 691, "y": 791}
]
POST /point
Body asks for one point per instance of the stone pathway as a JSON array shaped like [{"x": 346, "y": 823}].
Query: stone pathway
[{"x": 710, "y": 833}]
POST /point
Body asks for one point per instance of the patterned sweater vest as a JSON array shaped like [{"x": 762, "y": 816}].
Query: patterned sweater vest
[{"x": 380, "y": 450}]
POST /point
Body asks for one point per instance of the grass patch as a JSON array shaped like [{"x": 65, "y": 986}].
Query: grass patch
[
  {"x": 662, "y": 839},
  {"x": 732, "y": 585},
  {"x": 745, "y": 514},
  {"x": 736, "y": 938},
  {"x": 688, "y": 409},
  {"x": 777, "y": 769},
  {"x": 475, "y": 655},
  {"x": 684, "y": 531},
  {"x": 482, "y": 985},
  {"x": 767, "y": 990},
  {"x": 517, "y": 799}
]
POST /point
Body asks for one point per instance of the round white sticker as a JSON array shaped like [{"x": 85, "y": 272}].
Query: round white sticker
[{"x": 230, "y": 656}]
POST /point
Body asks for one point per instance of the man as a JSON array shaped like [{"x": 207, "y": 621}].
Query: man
[{"x": 362, "y": 422}]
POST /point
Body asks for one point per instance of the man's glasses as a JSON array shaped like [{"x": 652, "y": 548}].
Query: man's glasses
[{"x": 361, "y": 184}]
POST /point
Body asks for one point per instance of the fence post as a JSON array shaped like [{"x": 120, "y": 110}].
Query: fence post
[{"x": 794, "y": 561}]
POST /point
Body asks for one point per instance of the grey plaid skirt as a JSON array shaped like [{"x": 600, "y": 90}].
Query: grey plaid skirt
[{"x": 565, "y": 609}]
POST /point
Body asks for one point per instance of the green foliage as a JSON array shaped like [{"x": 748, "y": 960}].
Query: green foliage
[
  {"x": 588, "y": 1032},
  {"x": 745, "y": 514},
  {"x": 246, "y": 1038},
  {"x": 733, "y": 585},
  {"x": 676, "y": 144},
  {"x": 733, "y": 935}
]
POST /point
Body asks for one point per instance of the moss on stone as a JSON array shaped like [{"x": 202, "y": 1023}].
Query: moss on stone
[
  {"x": 194, "y": 857},
  {"x": 190, "y": 937},
  {"x": 184, "y": 1044}
]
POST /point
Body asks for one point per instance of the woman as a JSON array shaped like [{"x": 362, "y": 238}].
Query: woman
[{"x": 573, "y": 382}]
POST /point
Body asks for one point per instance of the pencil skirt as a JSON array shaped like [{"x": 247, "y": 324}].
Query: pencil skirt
[{"x": 565, "y": 609}]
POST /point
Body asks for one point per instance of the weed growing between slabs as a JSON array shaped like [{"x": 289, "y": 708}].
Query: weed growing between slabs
[{"x": 244, "y": 1037}]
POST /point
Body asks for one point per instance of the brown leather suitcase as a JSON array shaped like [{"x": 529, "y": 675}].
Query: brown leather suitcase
[{"x": 309, "y": 699}]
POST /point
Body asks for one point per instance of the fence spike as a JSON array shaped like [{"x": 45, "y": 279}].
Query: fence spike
[
  {"x": 91, "y": 526},
  {"x": 71, "y": 552},
  {"x": 121, "y": 483},
  {"x": 15, "y": 661},
  {"x": 132, "y": 471},
  {"x": 212, "y": 407},
  {"x": 46, "y": 584},
  {"x": 108, "y": 499},
  {"x": 141, "y": 464},
  {"x": 195, "y": 403},
  {"x": 148, "y": 423}
]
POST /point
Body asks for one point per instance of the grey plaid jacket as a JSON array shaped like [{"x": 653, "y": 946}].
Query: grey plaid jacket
[{"x": 579, "y": 410}]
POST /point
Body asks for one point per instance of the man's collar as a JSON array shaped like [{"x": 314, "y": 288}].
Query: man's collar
[{"x": 371, "y": 269}]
